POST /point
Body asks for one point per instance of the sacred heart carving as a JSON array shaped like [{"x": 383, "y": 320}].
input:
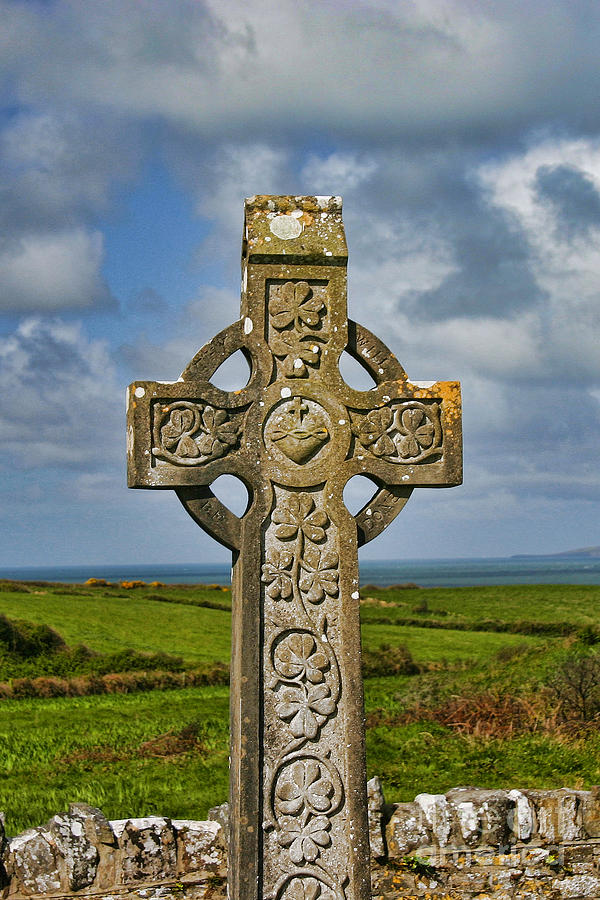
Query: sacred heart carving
[
  {"x": 300, "y": 444},
  {"x": 298, "y": 429}
]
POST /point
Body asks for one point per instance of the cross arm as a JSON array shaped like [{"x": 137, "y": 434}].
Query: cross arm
[
  {"x": 182, "y": 433},
  {"x": 407, "y": 434}
]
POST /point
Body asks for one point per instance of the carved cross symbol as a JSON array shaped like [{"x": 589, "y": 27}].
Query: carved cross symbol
[{"x": 295, "y": 435}]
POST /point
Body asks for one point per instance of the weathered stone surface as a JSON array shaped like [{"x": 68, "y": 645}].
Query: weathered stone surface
[
  {"x": 483, "y": 816},
  {"x": 95, "y": 824},
  {"x": 522, "y": 822},
  {"x": 148, "y": 847},
  {"x": 200, "y": 847},
  {"x": 376, "y": 802},
  {"x": 414, "y": 868},
  {"x": 590, "y": 812},
  {"x": 80, "y": 857},
  {"x": 558, "y": 814},
  {"x": 407, "y": 830},
  {"x": 577, "y": 886},
  {"x": 295, "y": 435},
  {"x": 220, "y": 814},
  {"x": 438, "y": 814},
  {"x": 32, "y": 862}
]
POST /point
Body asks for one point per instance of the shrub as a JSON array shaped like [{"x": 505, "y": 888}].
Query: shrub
[
  {"x": 422, "y": 607},
  {"x": 24, "y": 639},
  {"x": 576, "y": 685},
  {"x": 14, "y": 587},
  {"x": 388, "y": 660}
]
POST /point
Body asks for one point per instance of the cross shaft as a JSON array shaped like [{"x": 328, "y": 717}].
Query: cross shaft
[{"x": 295, "y": 434}]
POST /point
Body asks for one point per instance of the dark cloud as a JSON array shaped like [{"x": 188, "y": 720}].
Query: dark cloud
[
  {"x": 573, "y": 197},
  {"x": 493, "y": 274},
  {"x": 368, "y": 72}
]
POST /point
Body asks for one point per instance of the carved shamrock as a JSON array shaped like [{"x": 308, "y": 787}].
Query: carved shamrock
[
  {"x": 320, "y": 574},
  {"x": 276, "y": 573},
  {"x": 176, "y": 433},
  {"x": 219, "y": 432},
  {"x": 306, "y": 709},
  {"x": 295, "y": 305},
  {"x": 417, "y": 431},
  {"x": 304, "y": 841},
  {"x": 299, "y": 513},
  {"x": 371, "y": 432},
  {"x": 307, "y": 889},
  {"x": 297, "y": 657},
  {"x": 296, "y": 352},
  {"x": 306, "y": 787}
]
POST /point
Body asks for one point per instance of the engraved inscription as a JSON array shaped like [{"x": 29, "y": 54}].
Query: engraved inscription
[
  {"x": 403, "y": 432},
  {"x": 376, "y": 355},
  {"x": 190, "y": 434}
]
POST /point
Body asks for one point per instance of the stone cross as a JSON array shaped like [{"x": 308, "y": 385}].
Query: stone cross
[{"x": 295, "y": 435}]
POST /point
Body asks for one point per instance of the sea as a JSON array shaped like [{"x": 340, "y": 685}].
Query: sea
[{"x": 422, "y": 572}]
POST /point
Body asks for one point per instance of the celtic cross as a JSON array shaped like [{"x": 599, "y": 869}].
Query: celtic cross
[{"x": 295, "y": 435}]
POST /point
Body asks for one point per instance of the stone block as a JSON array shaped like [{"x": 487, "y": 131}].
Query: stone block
[
  {"x": 482, "y": 816},
  {"x": 578, "y": 887},
  {"x": 438, "y": 814},
  {"x": 407, "y": 830},
  {"x": 148, "y": 848},
  {"x": 32, "y": 862},
  {"x": 469, "y": 823},
  {"x": 376, "y": 802},
  {"x": 590, "y": 812},
  {"x": 504, "y": 879},
  {"x": 522, "y": 816},
  {"x": 220, "y": 814},
  {"x": 95, "y": 824},
  {"x": 200, "y": 848},
  {"x": 558, "y": 814},
  {"x": 79, "y": 856}
]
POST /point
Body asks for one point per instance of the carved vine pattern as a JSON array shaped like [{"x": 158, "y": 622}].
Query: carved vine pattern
[
  {"x": 295, "y": 315},
  {"x": 190, "y": 434},
  {"x": 305, "y": 790},
  {"x": 405, "y": 432}
]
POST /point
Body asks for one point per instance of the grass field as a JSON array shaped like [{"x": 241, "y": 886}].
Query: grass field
[{"x": 166, "y": 751}]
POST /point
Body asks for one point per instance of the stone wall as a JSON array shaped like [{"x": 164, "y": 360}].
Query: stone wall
[{"x": 468, "y": 843}]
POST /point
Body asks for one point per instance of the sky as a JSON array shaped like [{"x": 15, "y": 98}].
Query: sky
[{"x": 464, "y": 137}]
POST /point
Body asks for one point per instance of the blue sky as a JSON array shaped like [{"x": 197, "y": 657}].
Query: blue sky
[{"x": 465, "y": 139}]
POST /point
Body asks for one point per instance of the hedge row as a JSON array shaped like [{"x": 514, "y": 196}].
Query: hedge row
[{"x": 113, "y": 683}]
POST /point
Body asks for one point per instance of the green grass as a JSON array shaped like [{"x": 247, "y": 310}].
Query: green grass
[
  {"x": 91, "y": 749},
  {"x": 435, "y": 645},
  {"x": 576, "y": 605},
  {"x": 106, "y": 750},
  {"x": 106, "y": 623}
]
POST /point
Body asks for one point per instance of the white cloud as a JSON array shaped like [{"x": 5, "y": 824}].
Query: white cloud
[
  {"x": 338, "y": 173},
  {"x": 566, "y": 267},
  {"x": 59, "y": 400},
  {"x": 51, "y": 271}
]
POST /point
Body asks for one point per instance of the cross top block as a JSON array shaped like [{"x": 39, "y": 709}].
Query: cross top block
[{"x": 295, "y": 434}]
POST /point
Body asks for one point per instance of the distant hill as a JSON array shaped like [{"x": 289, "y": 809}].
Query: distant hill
[{"x": 590, "y": 552}]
